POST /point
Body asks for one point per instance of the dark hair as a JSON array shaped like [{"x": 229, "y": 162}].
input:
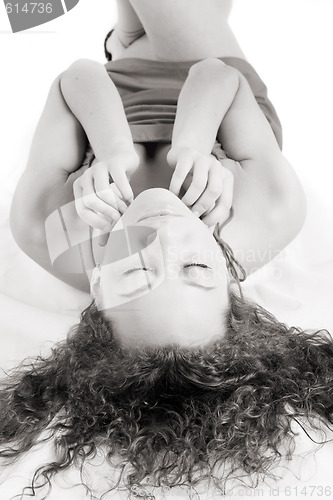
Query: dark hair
[
  {"x": 106, "y": 52},
  {"x": 178, "y": 415}
]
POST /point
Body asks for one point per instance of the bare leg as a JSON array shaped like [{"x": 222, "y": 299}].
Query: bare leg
[
  {"x": 127, "y": 30},
  {"x": 129, "y": 26},
  {"x": 188, "y": 29}
]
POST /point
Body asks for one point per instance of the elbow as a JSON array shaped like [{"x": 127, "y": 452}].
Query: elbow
[
  {"x": 27, "y": 234},
  {"x": 82, "y": 67},
  {"x": 287, "y": 216},
  {"x": 80, "y": 70},
  {"x": 76, "y": 80}
]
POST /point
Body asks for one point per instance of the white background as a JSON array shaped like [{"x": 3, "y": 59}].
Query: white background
[{"x": 290, "y": 44}]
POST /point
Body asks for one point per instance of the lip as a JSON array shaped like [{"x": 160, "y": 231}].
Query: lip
[{"x": 161, "y": 212}]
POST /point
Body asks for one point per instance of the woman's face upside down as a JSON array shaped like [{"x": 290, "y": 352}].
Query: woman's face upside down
[{"x": 163, "y": 278}]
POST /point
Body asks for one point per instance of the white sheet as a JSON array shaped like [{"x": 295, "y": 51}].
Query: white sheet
[{"x": 289, "y": 42}]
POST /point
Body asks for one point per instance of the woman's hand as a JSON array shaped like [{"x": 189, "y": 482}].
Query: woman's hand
[
  {"x": 209, "y": 185},
  {"x": 99, "y": 201}
]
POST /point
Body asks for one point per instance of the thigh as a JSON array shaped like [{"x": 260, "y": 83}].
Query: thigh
[{"x": 188, "y": 29}]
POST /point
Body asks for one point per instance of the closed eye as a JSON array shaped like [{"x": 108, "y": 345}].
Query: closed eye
[
  {"x": 192, "y": 264},
  {"x": 130, "y": 271},
  {"x": 199, "y": 281},
  {"x": 202, "y": 279},
  {"x": 196, "y": 264}
]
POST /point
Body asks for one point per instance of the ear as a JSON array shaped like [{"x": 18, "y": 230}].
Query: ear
[{"x": 95, "y": 286}]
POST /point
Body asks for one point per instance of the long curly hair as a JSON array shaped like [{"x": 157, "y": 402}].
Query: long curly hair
[{"x": 178, "y": 415}]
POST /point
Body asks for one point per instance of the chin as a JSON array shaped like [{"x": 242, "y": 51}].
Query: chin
[
  {"x": 157, "y": 198},
  {"x": 157, "y": 194}
]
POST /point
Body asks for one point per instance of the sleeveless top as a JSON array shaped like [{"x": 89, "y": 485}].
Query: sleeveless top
[{"x": 150, "y": 91}]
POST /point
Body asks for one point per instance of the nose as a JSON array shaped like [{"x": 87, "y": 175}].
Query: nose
[
  {"x": 167, "y": 228},
  {"x": 171, "y": 231},
  {"x": 167, "y": 244}
]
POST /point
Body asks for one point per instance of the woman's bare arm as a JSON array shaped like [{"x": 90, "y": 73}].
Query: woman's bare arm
[
  {"x": 94, "y": 100},
  {"x": 55, "y": 160},
  {"x": 53, "y": 165},
  {"x": 268, "y": 201}
]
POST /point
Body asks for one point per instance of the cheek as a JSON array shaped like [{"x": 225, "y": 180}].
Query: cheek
[
  {"x": 107, "y": 296},
  {"x": 222, "y": 274}
]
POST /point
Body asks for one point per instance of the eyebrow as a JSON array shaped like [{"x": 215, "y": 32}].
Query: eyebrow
[{"x": 144, "y": 288}]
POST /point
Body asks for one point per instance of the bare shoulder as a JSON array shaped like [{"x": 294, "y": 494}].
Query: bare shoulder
[{"x": 267, "y": 214}]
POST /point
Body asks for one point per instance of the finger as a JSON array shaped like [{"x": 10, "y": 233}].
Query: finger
[
  {"x": 212, "y": 192},
  {"x": 121, "y": 205},
  {"x": 102, "y": 186},
  {"x": 221, "y": 211},
  {"x": 199, "y": 182},
  {"x": 171, "y": 158},
  {"x": 219, "y": 214},
  {"x": 228, "y": 187},
  {"x": 183, "y": 167},
  {"x": 106, "y": 191},
  {"x": 120, "y": 179},
  {"x": 101, "y": 236},
  {"x": 103, "y": 239},
  {"x": 87, "y": 215},
  {"x": 94, "y": 203},
  {"x": 111, "y": 196}
]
